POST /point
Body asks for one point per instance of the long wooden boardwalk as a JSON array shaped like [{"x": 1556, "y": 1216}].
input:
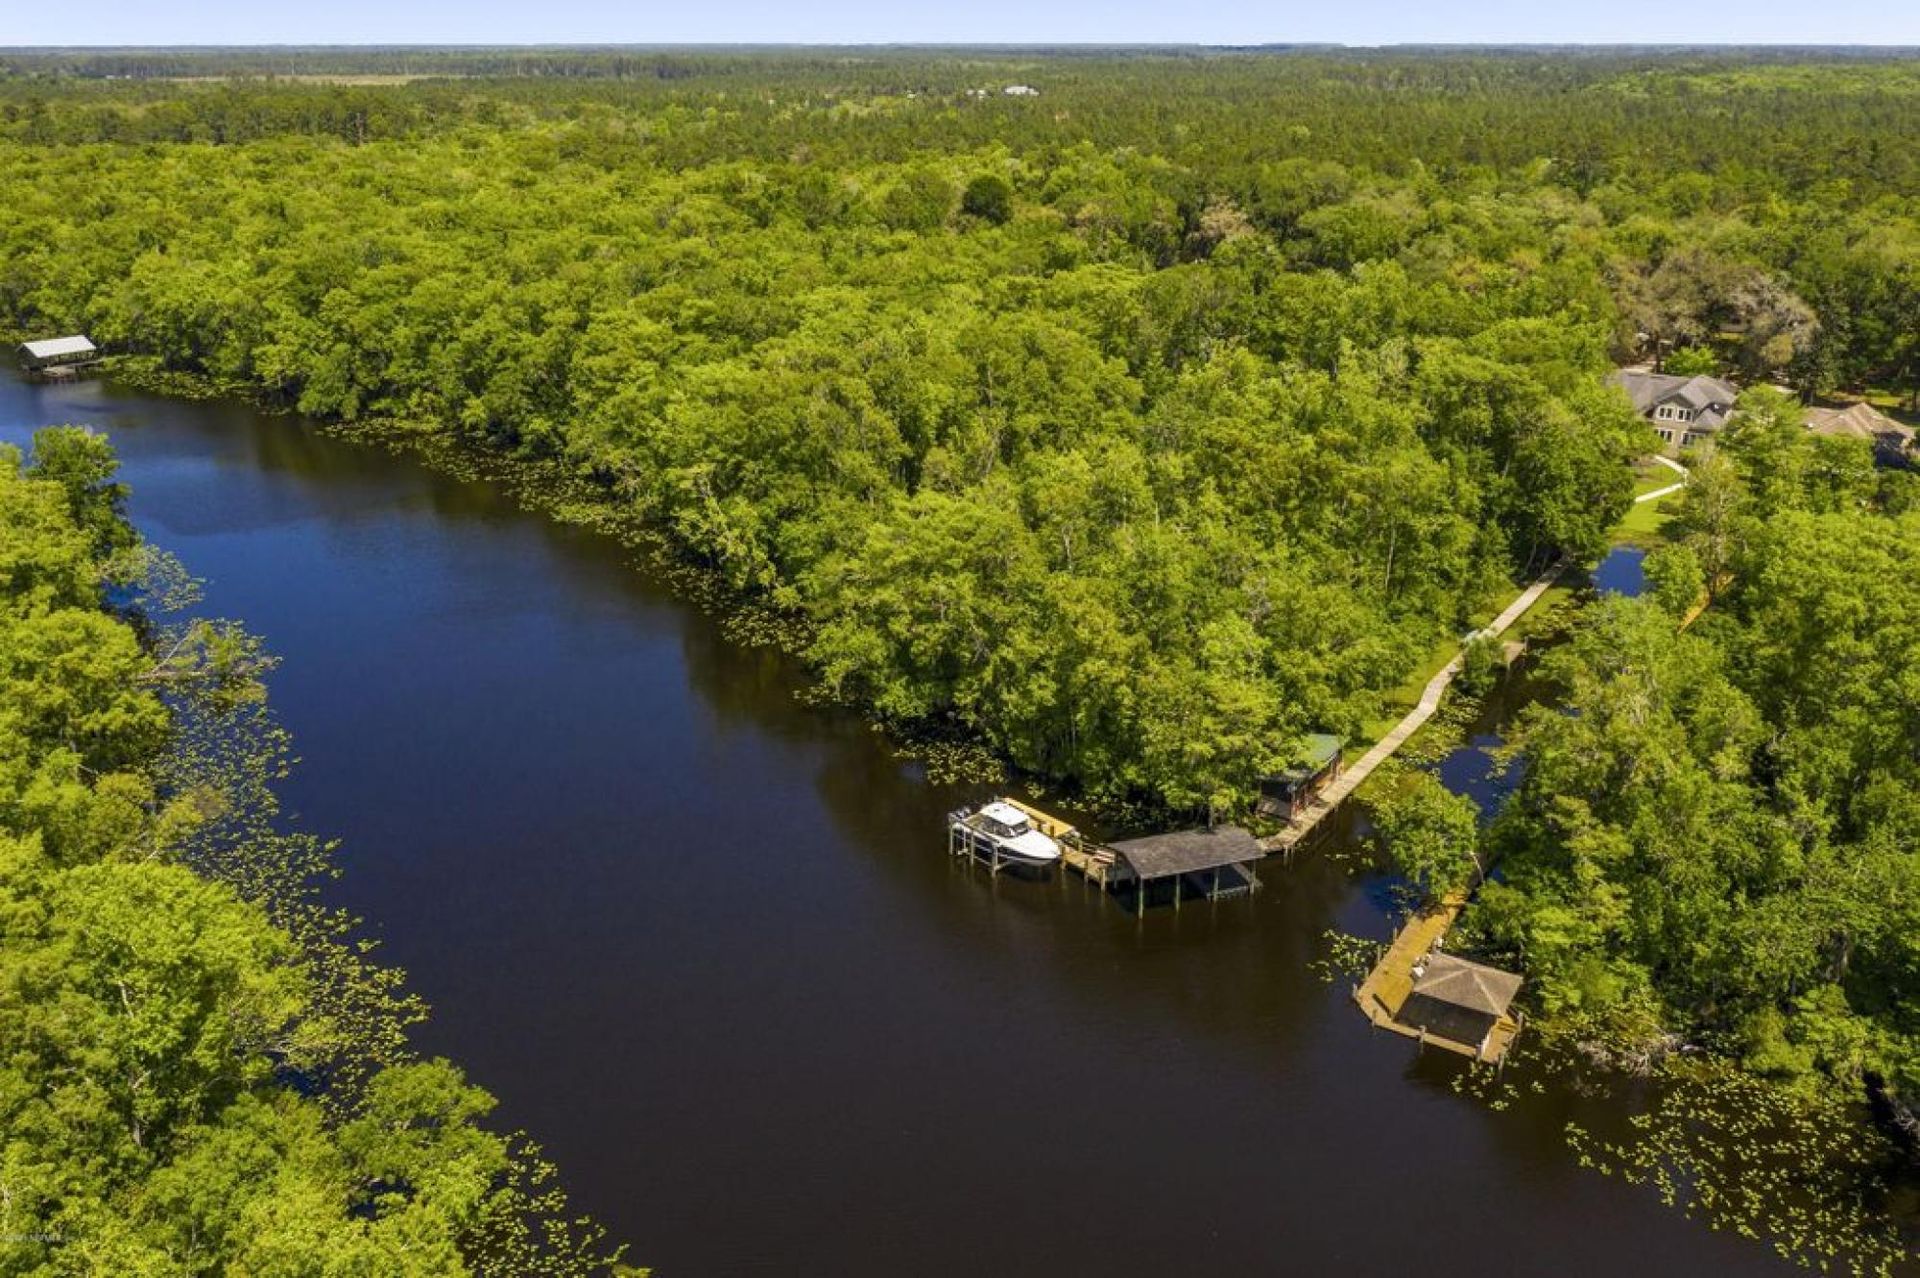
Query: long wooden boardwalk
[
  {"x": 1383, "y": 749},
  {"x": 1386, "y": 988}
]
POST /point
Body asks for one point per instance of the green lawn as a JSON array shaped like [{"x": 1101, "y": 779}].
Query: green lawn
[
  {"x": 1643, "y": 522},
  {"x": 1651, "y": 477},
  {"x": 1644, "y": 519},
  {"x": 1405, "y": 695}
]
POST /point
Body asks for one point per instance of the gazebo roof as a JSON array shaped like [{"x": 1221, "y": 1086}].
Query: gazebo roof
[{"x": 1467, "y": 984}]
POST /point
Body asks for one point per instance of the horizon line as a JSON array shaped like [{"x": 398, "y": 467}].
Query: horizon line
[{"x": 1008, "y": 46}]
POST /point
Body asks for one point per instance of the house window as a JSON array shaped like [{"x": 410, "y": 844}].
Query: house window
[
  {"x": 1693, "y": 437},
  {"x": 1665, "y": 434}
]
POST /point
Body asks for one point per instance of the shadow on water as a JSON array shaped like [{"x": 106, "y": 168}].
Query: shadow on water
[{"x": 706, "y": 945}]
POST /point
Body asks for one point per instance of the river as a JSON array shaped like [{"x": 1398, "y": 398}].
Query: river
[{"x": 705, "y": 944}]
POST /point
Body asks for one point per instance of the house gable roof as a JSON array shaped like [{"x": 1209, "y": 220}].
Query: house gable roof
[
  {"x": 1700, "y": 394},
  {"x": 1856, "y": 421}
]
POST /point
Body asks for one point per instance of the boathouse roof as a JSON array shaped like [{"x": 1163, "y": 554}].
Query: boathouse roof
[
  {"x": 1159, "y": 856},
  {"x": 1467, "y": 984},
  {"x": 57, "y": 347},
  {"x": 1318, "y": 749},
  {"x": 1321, "y": 747}
]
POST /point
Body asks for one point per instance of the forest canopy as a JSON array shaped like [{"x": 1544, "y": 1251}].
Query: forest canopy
[{"x": 1137, "y": 425}]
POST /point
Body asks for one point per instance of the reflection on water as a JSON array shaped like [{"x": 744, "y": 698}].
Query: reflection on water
[{"x": 706, "y": 944}]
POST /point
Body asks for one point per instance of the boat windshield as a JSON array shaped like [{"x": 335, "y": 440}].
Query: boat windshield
[{"x": 1014, "y": 829}]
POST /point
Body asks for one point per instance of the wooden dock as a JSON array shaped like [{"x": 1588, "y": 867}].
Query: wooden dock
[
  {"x": 1387, "y": 987},
  {"x": 1350, "y": 780},
  {"x": 1198, "y": 864}
]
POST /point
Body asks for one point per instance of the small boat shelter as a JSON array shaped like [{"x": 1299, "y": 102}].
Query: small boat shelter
[
  {"x": 1198, "y": 863},
  {"x": 1458, "y": 1000},
  {"x": 57, "y": 352},
  {"x": 1287, "y": 794}
]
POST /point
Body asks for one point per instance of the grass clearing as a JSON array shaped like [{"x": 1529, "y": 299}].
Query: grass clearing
[
  {"x": 1643, "y": 523},
  {"x": 1650, "y": 476},
  {"x": 1405, "y": 695}
]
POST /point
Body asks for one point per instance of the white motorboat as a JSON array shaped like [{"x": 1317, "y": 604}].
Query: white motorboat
[{"x": 1003, "y": 834}]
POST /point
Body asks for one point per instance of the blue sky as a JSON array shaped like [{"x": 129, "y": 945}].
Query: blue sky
[{"x": 99, "y": 22}]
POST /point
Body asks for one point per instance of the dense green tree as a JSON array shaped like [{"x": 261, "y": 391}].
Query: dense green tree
[
  {"x": 1691, "y": 361},
  {"x": 988, "y": 196},
  {"x": 1430, "y": 835}
]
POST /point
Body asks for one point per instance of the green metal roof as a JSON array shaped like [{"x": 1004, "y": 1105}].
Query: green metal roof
[
  {"x": 1317, "y": 749},
  {"x": 1321, "y": 747}
]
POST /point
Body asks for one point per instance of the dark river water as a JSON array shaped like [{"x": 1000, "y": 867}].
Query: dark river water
[{"x": 705, "y": 943}]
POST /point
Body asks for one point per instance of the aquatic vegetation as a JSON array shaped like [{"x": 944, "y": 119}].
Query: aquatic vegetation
[
  {"x": 1802, "y": 1174},
  {"x": 1346, "y": 958}
]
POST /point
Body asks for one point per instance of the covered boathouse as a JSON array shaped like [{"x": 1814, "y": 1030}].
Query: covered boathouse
[
  {"x": 1197, "y": 863},
  {"x": 57, "y": 352},
  {"x": 1460, "y": 1001}
]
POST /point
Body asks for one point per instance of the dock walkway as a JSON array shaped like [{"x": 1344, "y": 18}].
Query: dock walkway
[{"x": 1330, "y": 798}]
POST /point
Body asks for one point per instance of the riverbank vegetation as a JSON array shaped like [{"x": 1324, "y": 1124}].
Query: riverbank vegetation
[{"x": 204, "y": 1070}]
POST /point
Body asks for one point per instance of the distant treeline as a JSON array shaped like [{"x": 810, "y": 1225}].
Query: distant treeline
[
  {"x": 682, "y": 61},
  {"x": 1758, "y": 126}
]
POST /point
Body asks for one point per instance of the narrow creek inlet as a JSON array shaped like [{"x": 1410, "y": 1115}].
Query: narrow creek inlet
[{"x": 705, "y": 945}]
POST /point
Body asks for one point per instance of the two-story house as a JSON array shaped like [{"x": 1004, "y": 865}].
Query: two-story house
[{"x": 1685, "y": 411}]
